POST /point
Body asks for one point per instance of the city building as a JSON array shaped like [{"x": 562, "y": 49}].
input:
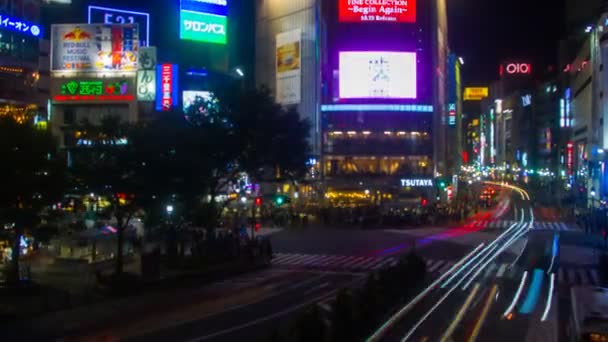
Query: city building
[
  {"x": 24, "y": 82},
  {"x": 183, "y": 62},
  {"x": 374, "y": 132}
]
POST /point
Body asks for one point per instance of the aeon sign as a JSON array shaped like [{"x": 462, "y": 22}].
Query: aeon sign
[{"x": 516, "y": 69}]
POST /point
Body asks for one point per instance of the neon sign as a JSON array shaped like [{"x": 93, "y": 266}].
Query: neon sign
[
  {"x": 167, "y": 82},
  {"x": 94, "y": 90},
  {"x": 108, "y": 15},
  {"x": 417, "y": 183},
  {"x": 452, "y": 114},
  {"x": 516, "y": 69},
  {"x": 19, "y": 26},
  {"x": 397, "y": 11}
]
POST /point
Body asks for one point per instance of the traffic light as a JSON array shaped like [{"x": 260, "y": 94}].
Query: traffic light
[
  {"x": 257, "y": 227},
  {"x": 424, "y": 202},
  {"x": 279, "y": 200},
  {"x": 258, "y": 201}
]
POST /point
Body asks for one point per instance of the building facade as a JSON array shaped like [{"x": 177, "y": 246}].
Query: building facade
[{"x": 373, "y": 85}]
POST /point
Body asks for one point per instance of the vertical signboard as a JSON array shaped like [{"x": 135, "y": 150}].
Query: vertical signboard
[
  {"x": 289, "y": 67},
  {"x": 366, "y": 11},
  {"x": 146, "y": 75},
  {"x": 167, "y": 83}
]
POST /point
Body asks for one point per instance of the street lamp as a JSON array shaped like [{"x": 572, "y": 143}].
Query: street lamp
[{"x": 169, "y": 209}]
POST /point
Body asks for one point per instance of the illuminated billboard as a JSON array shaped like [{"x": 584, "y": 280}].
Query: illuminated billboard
[
  {"x": 288, "y": 66},
  {"x": 476, "y": 93},
  {"x": 167, "y": 85},
  {"x": 377, "y": 74},
  {"x": 17, "y": 25},
  {"x": 204, "y": 21},
  {"x": 146, "y": 75},
  {"x": 94, "y": 90},
  {"x": 107, "y": 15},
  {"x": 190, "y": 96},
  {"x": 516, "y": 68},
  {"x": 94, "y": 47},
  {"x": 397, "y": 11}
]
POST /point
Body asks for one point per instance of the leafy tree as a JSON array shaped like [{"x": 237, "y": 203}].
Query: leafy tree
[
  {"x": 343, "y": 317},
  {"x": 310, "y": 326},
  {"x": 104, "y": 164},
  {"x": 31, "y": 179}
]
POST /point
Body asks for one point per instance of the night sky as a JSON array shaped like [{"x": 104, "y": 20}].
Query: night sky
[{"x": 485, "y": 32}]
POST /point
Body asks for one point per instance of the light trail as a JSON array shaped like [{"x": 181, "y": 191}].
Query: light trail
[
  {"x": 520, "y": 254},
  {"x": 533, "y": 292},
  {"x": 492, "y": 258},
  {"x": 554, "y": 251},
  {"x": 484, "y": 314},
  {"x": 522, "y": 283},
  {"x": 490, "y": 246},
  {"x": 396, "y": 317},
  {"x": 460, "y": 315},
  {"x": 549, "y": 298}
]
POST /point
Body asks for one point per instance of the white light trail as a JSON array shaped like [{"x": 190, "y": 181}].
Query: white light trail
[
  {"x": 517, "y": 294},
  {"x": 384, "y": 328},
  {"x": 549, "y": 299}
]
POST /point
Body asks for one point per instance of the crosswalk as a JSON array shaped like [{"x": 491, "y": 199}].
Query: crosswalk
[
  {"x": 504, "y": 224},
  {"x": 565, "y": 275},
  {"x": 334, "y": 262}
]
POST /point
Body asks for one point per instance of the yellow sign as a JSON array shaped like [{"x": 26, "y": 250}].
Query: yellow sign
[{"x": 476, "y": 93}]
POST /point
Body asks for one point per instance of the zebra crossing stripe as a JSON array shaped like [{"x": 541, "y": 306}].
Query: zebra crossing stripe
[
  {"x": 351, "y": 262},
  {"x": 435, "y": 266},
  {"x": 584, "y": 278},
  {"x": 315, "y": 260},
  {"x": 305, "y": 259},
  {"x": 279, "y": 258},
  {"x": 289, "y": 259},
  {"x": 333, "y": 260},
  {"x": 320, "y": 261},
  {"x": 491, "y": 268},
  {"x": 445, "y": 268},
  {"x": 501, "y": 271},
  {"x": 390, "y": 260},
  {"x": 595, "y": 277},
  {"x": 572, "y": 277},
  {"x": 372, "y": 262}
]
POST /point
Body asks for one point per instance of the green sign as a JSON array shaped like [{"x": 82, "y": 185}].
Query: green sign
[
  {"x": 94, "y": 88},
  {"x": 203, "y": 27}
]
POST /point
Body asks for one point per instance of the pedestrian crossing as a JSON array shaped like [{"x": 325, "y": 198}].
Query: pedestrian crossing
[
  {"x": 334, "y": 262},
  {"x": 565, "y": 275},
  {"x": 504, "y": 224}
]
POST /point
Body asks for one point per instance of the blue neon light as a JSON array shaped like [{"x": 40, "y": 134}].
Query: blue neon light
[
  {"x": 17, "y": 25},
  {"x": 533, "y": 293},
  {"x": 376, "y": 108},
  {"x": 217, "y": 7},
  {"x": 108, "y": 15}
]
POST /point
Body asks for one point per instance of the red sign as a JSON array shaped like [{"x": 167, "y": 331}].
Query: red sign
[
  {"x": 167, "y": 86},
  {"x": 398, "y": 11},
  {"x": 83, "y": 98},
  {"x": 516, "y": 69}
]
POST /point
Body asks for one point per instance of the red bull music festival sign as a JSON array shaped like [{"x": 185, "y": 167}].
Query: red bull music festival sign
[{"x": 94, "y": 47}]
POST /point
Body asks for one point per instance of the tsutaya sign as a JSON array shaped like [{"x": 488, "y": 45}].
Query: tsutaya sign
[{"x": 417, "y": 183}]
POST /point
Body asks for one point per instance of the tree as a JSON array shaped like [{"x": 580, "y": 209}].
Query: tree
[
  {"x": 104, "y": 164},
  {"x": 31, "y": 179}
]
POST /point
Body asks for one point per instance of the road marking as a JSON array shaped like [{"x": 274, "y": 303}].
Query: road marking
[
  {"x": 445, "y": 268},
  {"x": 448, "y": 334},
  {"x": 484, "y": 314},
  {"x": 490, "y": 269},
  {"x": 572, "y": 277},
  {"x": 595, "y": 277},
  {"x": 284, "y": 258},
  {"x": 385, "y": 262},
  {"x": 501, "y": 271},
  {"x": 437, "y": 264}
]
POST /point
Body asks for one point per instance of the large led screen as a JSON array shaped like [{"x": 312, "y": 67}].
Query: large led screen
[
  {"x": 377, "y": 74},
  {"x": 204, "y": 20},
  {"x": 190, "y": 96},
  {"x": 398, "y": 11}
]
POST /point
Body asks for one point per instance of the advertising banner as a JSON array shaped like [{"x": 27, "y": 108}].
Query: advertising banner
[
  {"x": 378, "y": 74},
  {"x": 476, "y": 93},
  {"x": 107, "y": 15},
  {"x": 189, "y": 96},
  {"x": 94, "y": 47},
  {"x": 146, "y": 75},
  {"x": 217, "y": 7},
  {"x": 358, "y": 11},
  {"x": 167, "y": 83},
  {"x": 203, "y": 27},
  {"x": 93, "y": 90},
  {"x": 289, "y": 67}
]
